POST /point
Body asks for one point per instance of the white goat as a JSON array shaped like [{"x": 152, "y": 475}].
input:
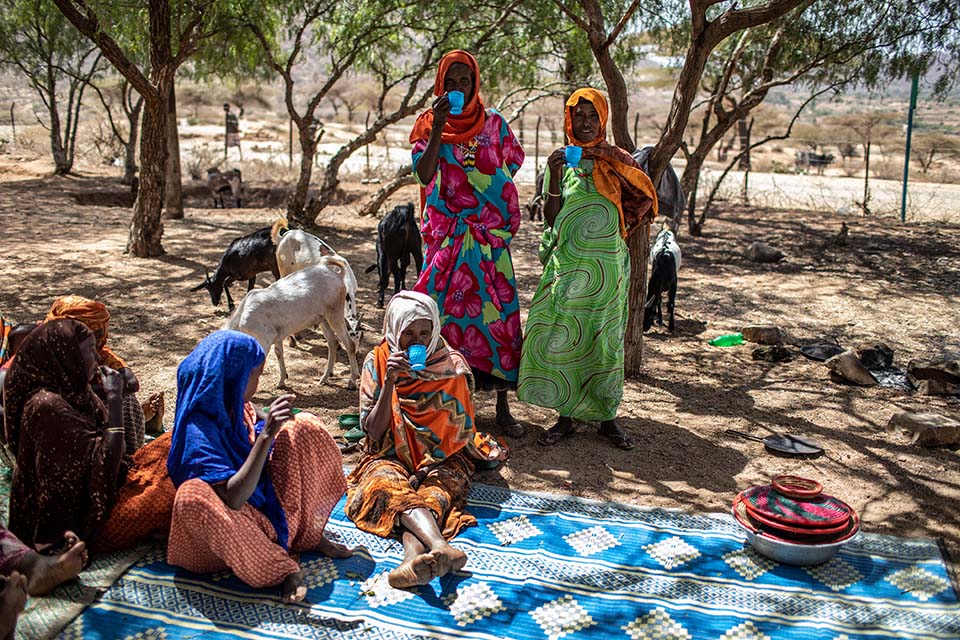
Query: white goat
[
  {"x": 314, "y": 295},
  {"x": 297, "y": 249}
]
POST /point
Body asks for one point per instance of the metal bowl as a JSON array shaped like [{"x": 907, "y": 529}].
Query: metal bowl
[{"x": 791, "y": 553}]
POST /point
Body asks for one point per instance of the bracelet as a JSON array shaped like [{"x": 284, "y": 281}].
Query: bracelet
[
  {"x": 114, "y": 430},
  {"x": 555, "y": 195}
]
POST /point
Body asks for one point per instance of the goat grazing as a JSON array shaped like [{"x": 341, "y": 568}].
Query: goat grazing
[
  {"x": 535, "y": 206},
  {"x": 663, "y": 278},
  {"x": 297, "y": 249},
  {"x": 243, "y": 260},
  {"x": 314, "y": 295},
  {"x": 220, "y": 182},
  {"x": 398, "y": 238}
]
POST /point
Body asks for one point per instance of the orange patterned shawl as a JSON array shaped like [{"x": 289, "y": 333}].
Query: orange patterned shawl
[
  {"x": 433, "y": 416},
  {"x": 616, "y": 174},
  {"x": 93, "y": 314}
]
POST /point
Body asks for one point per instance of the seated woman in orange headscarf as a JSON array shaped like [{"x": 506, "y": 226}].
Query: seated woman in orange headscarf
[
  {"x": 421, "y": 443},
  {"x": 135, "y": 416}
]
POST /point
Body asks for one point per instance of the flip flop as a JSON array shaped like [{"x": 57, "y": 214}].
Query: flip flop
[
  {"x": 346, "y": 447},
  {"x": 553, "y": 435},
  {"x": 355, "y": 435},
  {"x": 619, "y": 438}
]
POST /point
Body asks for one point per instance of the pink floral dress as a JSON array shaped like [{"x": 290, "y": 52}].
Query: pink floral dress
[{"x": 472, "y": 212}]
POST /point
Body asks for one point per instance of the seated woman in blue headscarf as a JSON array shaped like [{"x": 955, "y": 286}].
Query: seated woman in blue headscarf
[{"x": 252, "y": 487}]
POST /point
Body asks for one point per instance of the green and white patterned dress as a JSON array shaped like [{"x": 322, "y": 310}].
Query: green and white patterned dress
[{"x": 574, "y": 338}]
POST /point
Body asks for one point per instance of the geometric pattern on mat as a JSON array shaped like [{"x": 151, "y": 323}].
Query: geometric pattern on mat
[{"x": 557, "y": 568}]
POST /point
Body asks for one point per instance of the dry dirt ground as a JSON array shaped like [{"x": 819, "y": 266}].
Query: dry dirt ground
[{"x": 895, "y": 283}]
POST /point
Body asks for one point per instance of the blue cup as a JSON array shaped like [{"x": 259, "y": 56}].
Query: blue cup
[
  {"x": 573, "y": 154},
  {"x": 456, "y": 102},
  {"x": 417, "y": 355}
]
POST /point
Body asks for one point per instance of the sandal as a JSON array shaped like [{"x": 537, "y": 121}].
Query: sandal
[
  {"x": 555, "y": 434},
  {"x": 346, "y": 446},
  {"x": 618, "y": 437}
]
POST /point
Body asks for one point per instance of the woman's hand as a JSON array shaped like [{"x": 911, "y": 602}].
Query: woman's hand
[
  {"x": 279, "y": 411},
  {"x": 130, "y": 382},
  {"x": 441, "y": 109},
  {"x": 556, "y": 161},
  {"x": 111, "y": 382},
  {"x": 397, "y": 364}
]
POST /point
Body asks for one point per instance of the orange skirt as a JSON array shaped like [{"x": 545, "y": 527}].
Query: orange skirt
[
  {"x": 380, "y": 490},
  {"x": 145, "y": 502},
  {"x": 307, "y": 473}
]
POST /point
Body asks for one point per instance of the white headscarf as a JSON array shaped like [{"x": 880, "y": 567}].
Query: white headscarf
[{"x": 405, "y": 308}]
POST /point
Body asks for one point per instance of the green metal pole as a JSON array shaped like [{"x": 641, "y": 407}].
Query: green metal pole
[{"x": 906, "y": 154}]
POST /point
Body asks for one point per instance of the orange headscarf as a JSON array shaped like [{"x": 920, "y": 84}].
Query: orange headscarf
[
  {"x": 93, "y": 314},
  {"x": 461, "y": 128},
  {"x": 616, "y": 174}
]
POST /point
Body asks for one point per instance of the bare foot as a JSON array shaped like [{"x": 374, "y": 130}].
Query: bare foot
[
  {"x": 449, "y": 559},
  {"x": 153, "y": 410},
  {"x": 13, "y": 598},
  {"x": 333, "y": 549},
  {"x": 293, "y": 588},
  {"x": 420, "y": 570},
  {"x": 44, "y": 573}
]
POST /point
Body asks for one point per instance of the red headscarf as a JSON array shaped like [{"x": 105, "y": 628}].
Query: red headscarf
[
  {"x": 461, "y": 128},
  {"x": 616, "y": 174}
]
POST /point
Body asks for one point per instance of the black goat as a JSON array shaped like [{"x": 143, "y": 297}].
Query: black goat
[
  {"x": 663, "y": 278},
  {"x": 398, "y": 238},
  {"x": 535, "y": 206},
  {"x": 243, "y": 260}
]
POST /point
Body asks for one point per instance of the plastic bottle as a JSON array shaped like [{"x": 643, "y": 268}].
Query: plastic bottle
[{"x": 728, "y": 340}]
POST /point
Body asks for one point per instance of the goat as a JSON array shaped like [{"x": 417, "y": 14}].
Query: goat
[
  {"x": 243, "y": 260},
  {"x": 314, "y": 295},
  {"x": 219, "y": 182},
  {"x": 297, "y": 249},
  {"x": 398, "y": 238},
  {"x": 535, "y": 206},
  {"x": 672, "y": 201},
  {"x": 663, "y": 278}
]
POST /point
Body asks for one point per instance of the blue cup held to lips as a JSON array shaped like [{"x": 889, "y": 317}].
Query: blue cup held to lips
[
  {"x": 573, "y": 154},
  {"x": 456, "y": 102},
  {"x": 417, "y": 355}
]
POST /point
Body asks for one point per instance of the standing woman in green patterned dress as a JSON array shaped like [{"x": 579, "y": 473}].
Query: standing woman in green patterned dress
[{"x": 572, "y": 358}]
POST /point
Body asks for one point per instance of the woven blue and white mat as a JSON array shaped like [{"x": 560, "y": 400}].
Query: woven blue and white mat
[{"x": 552, "y": 567}]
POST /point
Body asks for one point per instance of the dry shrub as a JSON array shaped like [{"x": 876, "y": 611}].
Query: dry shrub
[
  {"x": 887, "y": 170},
  {"x": 270, "y": 171},
  {"x": 202, "y": 157}
]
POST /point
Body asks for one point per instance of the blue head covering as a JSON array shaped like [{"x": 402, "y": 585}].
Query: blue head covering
[{"x": 210, "y": 440}]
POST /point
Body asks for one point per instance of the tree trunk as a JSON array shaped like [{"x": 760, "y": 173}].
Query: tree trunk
[
  {"x": 743, "y": 131},
  {"x": 62, "y": 163},
  {"x": 639, "y": 246},
  {"x": 403, "y": 177},
  {"x": 173, "y": 193},
  {"x": 617, "y": 93},
  {"x": 130, "y": 159},
  {"x": 690, "y": 182},
  {"x": 146, "y": 228},
  {"x": 296, "y": 207}
]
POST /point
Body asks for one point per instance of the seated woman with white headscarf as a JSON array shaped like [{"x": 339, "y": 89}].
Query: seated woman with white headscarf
[{"x": 420, "y": 446}]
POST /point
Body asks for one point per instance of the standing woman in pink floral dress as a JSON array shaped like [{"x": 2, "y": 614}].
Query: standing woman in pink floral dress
[{"x": 465, "y": 165}]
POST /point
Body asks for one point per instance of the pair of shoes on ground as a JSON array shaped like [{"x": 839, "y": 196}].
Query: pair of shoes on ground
[{"x": 556, "y": 433}]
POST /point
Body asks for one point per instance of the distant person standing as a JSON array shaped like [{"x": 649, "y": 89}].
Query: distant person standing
[{"x": 232, "y": 124}]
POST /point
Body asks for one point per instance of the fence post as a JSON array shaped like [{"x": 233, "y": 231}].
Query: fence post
[
  {"x": 13, "y": 125},
  {"x": 906, "y": 154}
]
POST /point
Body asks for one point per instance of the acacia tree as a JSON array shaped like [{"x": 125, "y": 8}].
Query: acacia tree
[
  {"x": 709, "y": 25},
  {"x": 170, "y": 45},
  {"x": 867, "y": 128},
  {"x": 130, "y": 105},
  {"x": 37, "y": 41},
  {"x": 817, "y": 45}
]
